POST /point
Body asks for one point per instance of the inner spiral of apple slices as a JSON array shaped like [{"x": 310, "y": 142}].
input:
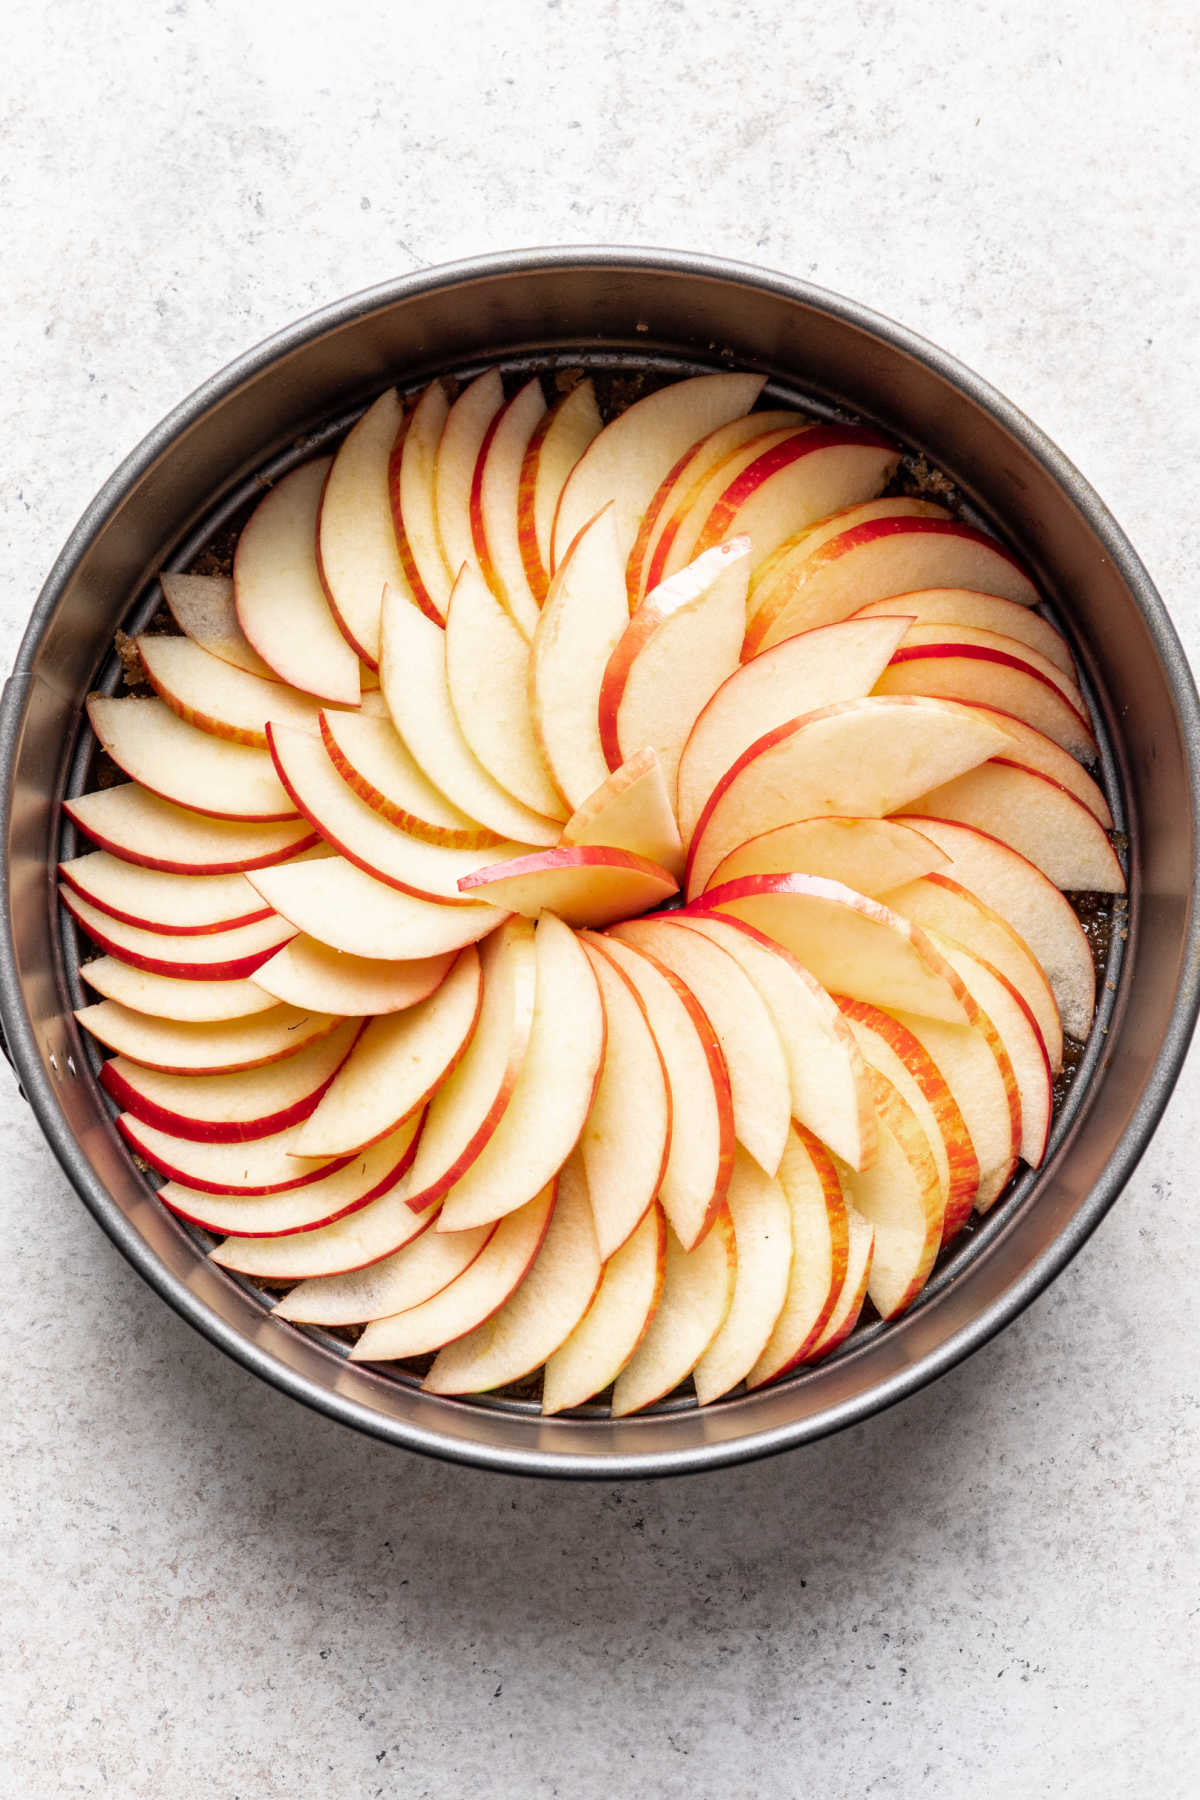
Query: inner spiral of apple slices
[{"x": 590, "y": 897}]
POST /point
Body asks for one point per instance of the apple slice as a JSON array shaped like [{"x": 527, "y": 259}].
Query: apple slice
[
  {"x": 471, "y": 1100},
  {"x": 495, "y": 503},
  {"x": 762, "y": 1230},
  {"x": 408, "y": 1276},
  {"x": 179, "y": 998},
  {"x": 760, "y": 1092},
  {"x": 204, "y": 956},
  {"x": 677, "y": 541},
  {"x": 697, "y": 1293},
  {"x": 1035, "y": 816},
  {"x": 411, "y": 474},
  {"x": 820, "y": 1240},
  {"x": 1034, "y": 750},
  {"x": 629, "y": 458},
  {"x": 174, "y": 904},
  {"x": 901, "y": 1198},
  {"x": 816, "y": 669},
  {"x": 141, "y": 828},
  {"x": 458, "y": 450},
  {"x": 336, "y": 903},
  {"x": 613, "y": 1326},
  {"x": 558, "y": 441},
  {"x": 481, "y": 1290},
  {"x": 849, "y": 1303},
  {"x": 203, "y": 608},
  {"x": 680, "y": 645},
  {"x": 580, "y": 625},
  {"x": 800, "y": 545},
  {"x": 487, "y": 668},
  {"x": 861, "y": 757},
  {"x": 371, "y": 757},
  {"x": 960, "y": 663},
  {"x": 231, "y": 1108},
  {"x": 415, "y": 686},
  {"x": 982, "y": 612},
  {"x": 307, "y": 974},
  {"x": 189, "y": 767},
  {"x": 543, "y": 1311},
  {"x": 978, "y": 1071},
  {"x": 1012, "y": 1018},
  {"x": 261, "y": 1166},
  {"x": 700, "y": 1156},
  {"x": 630, "y": 810},
  {"x": 187, "y": 1047},
  {"x": 281, "y": 604},
  {"x": 355, "y": 541},
  {"x": 217, "y": 698},
  {"x": 870, "y": 855},
  {"x": 590, "y": 886},
  {"x": 398, "y": 1062}
]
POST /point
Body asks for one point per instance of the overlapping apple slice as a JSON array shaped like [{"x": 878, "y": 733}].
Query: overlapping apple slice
[
  {"x": 307, "y": 974},
  {"x": 204, "y": 1047},
  {"x": 412, "y": 464},
  {"x": 630, "y": 810},
  {"x": 204, "y": 608},
  {"x": 213, "y": 695},
  {"x": 901, "y": 1198},
  {"x": 139, "y": 827},
  {"x": 697, "y": 1292},
  {"x": 355, "y": 541},
  {"x": 762, "y": 1230},
  {"x": 372, "y": 758},
  {"x": 871, "y": 855},
  {"x": 604, "y": 1340},
  {"x": 223, "y": 955},
  {"x": 589, "y": 886},
  {"x": 985, "y": 612},
  {"x": 266, "y": 1165},
  {"x": 186, "y": 766},
  {"x": 466, "y": 427},
  {"x": 405, "y": 1277},
  {"x": 819, "y": 1269},
  {"x": 183, "y": 998},
  {"x": 496, "y": 499},
  {"x": 557, "y": 443},
  {"x": 339, "y": 905},
  {"x": 1009, "y": 1014},
  {"x": 160, "y": 900}
]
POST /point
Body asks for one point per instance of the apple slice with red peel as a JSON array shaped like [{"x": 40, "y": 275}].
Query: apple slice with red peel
[
  {"x": 797, "y": 548},
  {"x": 495, "y": 503},
  {"x": 417, "y": 691},
  {"x": 849, "y": 1304},
  {"x": 307, "y": 974},
  {"x": 481, "y": 1290},
  {"x": 587, "y": 886},
  {"x": 458, "y": 449},
  {"x": 334, "y": 902},
  {"x": 203, "y": 956},
  {"x": 820, "y": 1237},
  {"x": 579, "y": 627},
  {"x": 217, "y": 698},
  {"x": 186, "y": 766},
  {"x": 901, "y": 1198},
  {"x": 630, "y": 810},
  {"x": 487, "y": 667},
  {"x": 1035, "y": 816},
  {"x": 697, "y": 1293},
  {"x": 1013, "y": 1020},
  {"x": 544, "y": 1310},
  {"x": 1034, "y": 750},
  {"x": 978, "y": 1071},
  {"x": 557, "y": 444},
  {"x": 870, "y": 855},
  {"x": 677, "y": 540},
  {"x": 828, "y": 1081},
  {"x": 700, "y": 1156},
  {"x": 355, "y": 540},
  {"x": 139, "y": 827},
  {"x": 230, "y": 1108},
  {"x": 178, "y": 998},
  {"x": 158, "y": 900},
  {"x": 371, "y": 757},
  {"x": 613, "y": 1326},
  {"x": 629, "y": 458},
  {"x": 188, "y": 1047},
  {"x": 982, "y": 612},
  {"x": 412, "y": 465},
  {"x": 762, "y": 1231},
  {"x": 470, "y": 1102},
  {"x": 983, "y": 668},
  {"x": 397, "y": 1064},
  {"x": 860, "y": 757},
  {"x": 262, "y": 1166},
  {"x": 678, "y": 648},
  {"x": 407, "y": 1277},
  {"x": 812, "y": 671},
  {"x": 760, "y": 1091},
  {"x": 203, "y": 607}
]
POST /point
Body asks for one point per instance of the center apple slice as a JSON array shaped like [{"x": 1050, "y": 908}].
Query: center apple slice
[
  {"x": 591, "y": 885},
  {"x": 630, "y": 810}
]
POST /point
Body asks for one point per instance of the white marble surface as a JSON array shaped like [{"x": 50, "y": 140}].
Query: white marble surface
[{"x": 990, "y": 1591}]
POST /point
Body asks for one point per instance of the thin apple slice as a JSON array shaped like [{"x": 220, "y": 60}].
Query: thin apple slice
[
  {"x": 1032, "y": 905},
  {"x": 337, "y": 904},
  {"x": 371, "y": 757},
  {"x": 281, "y": 604},
  {"x": 626, "y": 1137},
  {"x": 413, "y": 672},
  {"x": 1012, "y": 1018},
  {"x": 700, "y": 1155},
  {"x": 983, "y": 612},
  {"x": 1035, "y": 816},
  {"x": 609, "y": 1333},
  {"x": 979, "y": 1073},
  {"x": 680, "y": 645},
  {"x": 411, "y": 469},
  {"x": 458, "y": 450},
  {"x": 204, "y": 956},
  {"x": 800, "y": 545},
  {"x": 487, "y": 668},
  {"x": 1034, "y": 750},
  {"x": 407, "y": 1277},
  {"x": 762, "y": 1230},
  {"x": 817, "y": 669},
  {"x": 697, "y": 1293},
  {"x": 203, "y": 607},
  {"x": 849, "y": 1303},
  {"x": 398, "y": 1062},
  {"x": 231, "y": 1108},
  {"x": 861, "y": 757},
  {"x": 760, "y": 1091},
  {"x": 553, "y": 1092},
  {"x": 590, "y": 886},
  {"x": 355, "y": 540},
  {"x": 187, "y": 766},
  {"x": 581, "y": 623},
  {"x": 983, "y": 668},
  {"x": 141, "y": 828},
  {"x": 178, "y": 998},
  {"x": 261, "y": 1166},
  {"x": 543, "y": 1311},
  {"x": 901, "y": 1198},
  {"x": 180, "y": 905},
  {"x": 557, "y": 443},
  {"x": 677, "y": 542},
  {"x": 187, "y": 1047},
  {"x": 630, "y": 810},
  {"x": 481, "y": 1290},
  {"x": 870, "y": 855},
  {"x": 307, "y": 974},
  {"x": 216, "y": 697},
  {"x": 495, "y": 503},
  {"x": 629, "y": 458},
  {"x": 820, "y": 1239}
]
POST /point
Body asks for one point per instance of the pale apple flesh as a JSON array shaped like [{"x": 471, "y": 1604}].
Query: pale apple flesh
[
  {"x": 590, "y": 886},
  {"x": 139, "y": 827},
  {"x": 204, "y": 609},
  {"x": 631, "y": 810}
]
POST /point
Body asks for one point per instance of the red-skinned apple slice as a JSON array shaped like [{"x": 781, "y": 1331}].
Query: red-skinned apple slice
[
  {"x": 978, "y": 1070},
  {"x": 397, "y": 1064},
  {"x": 815, "y": 670},
  {"x": 217, "y": 698},
  {"x": 495, "y": 502},
  {"x": 355, "y": 540},
  {"x": 594, "y": 1354},
  {"x": 174, "y": 904},
  {"x": 307, "y": 974},
  {"x": 630, "y": 810},
  {"x": 186, "y": 1047},
  {"x": 558, "y": 442},
  {"x": 800, "y": 545},
  {"x": 203, "y": 607},
  {"x": 1034, "y": 750},
  {"x": 677, "y": 541},
  {"x": 187, "y": 766},
  {"x": 204, "y": 956},
  {"x": 179, "y": 998},
  {"x": 408, "y": 1276},
  {"x": 861, "y": 757},
  {"x": 680, "y": 645},
  {"x": 335, "y": 902},
  {"x": 697, "y": 1292},
  {"x": 762, "y": 1231},
  {"x": 542, "y": 1312},
  {"x": 589, "y": 886},
  {"x": 261, "y": 1166},
  {"x": 820, "y": 1237},
  {"x": 849, "y": 1303},
  {"x": 901, "y": 1197},
  {"x": 982, "y": 612},
  {"x": 871, "y": 855},
  {"x": 411, "y": 468},
  {"x": 999, "y": 1000},
  {"x": 458, "y": 450},
  {"x": 371, "y": 757},
  {"x": 983, "y": 668},
  {"x": 141, "y": 828}
]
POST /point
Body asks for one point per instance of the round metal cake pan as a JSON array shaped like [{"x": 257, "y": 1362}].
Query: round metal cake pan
[{"x": 556, "y": 307}]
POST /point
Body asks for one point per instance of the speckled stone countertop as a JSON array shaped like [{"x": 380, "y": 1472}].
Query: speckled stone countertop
[{"x": 992, "y": 1590}]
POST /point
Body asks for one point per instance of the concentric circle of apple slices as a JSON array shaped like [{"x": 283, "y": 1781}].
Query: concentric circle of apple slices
[{"x": 401, "y": 991}]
